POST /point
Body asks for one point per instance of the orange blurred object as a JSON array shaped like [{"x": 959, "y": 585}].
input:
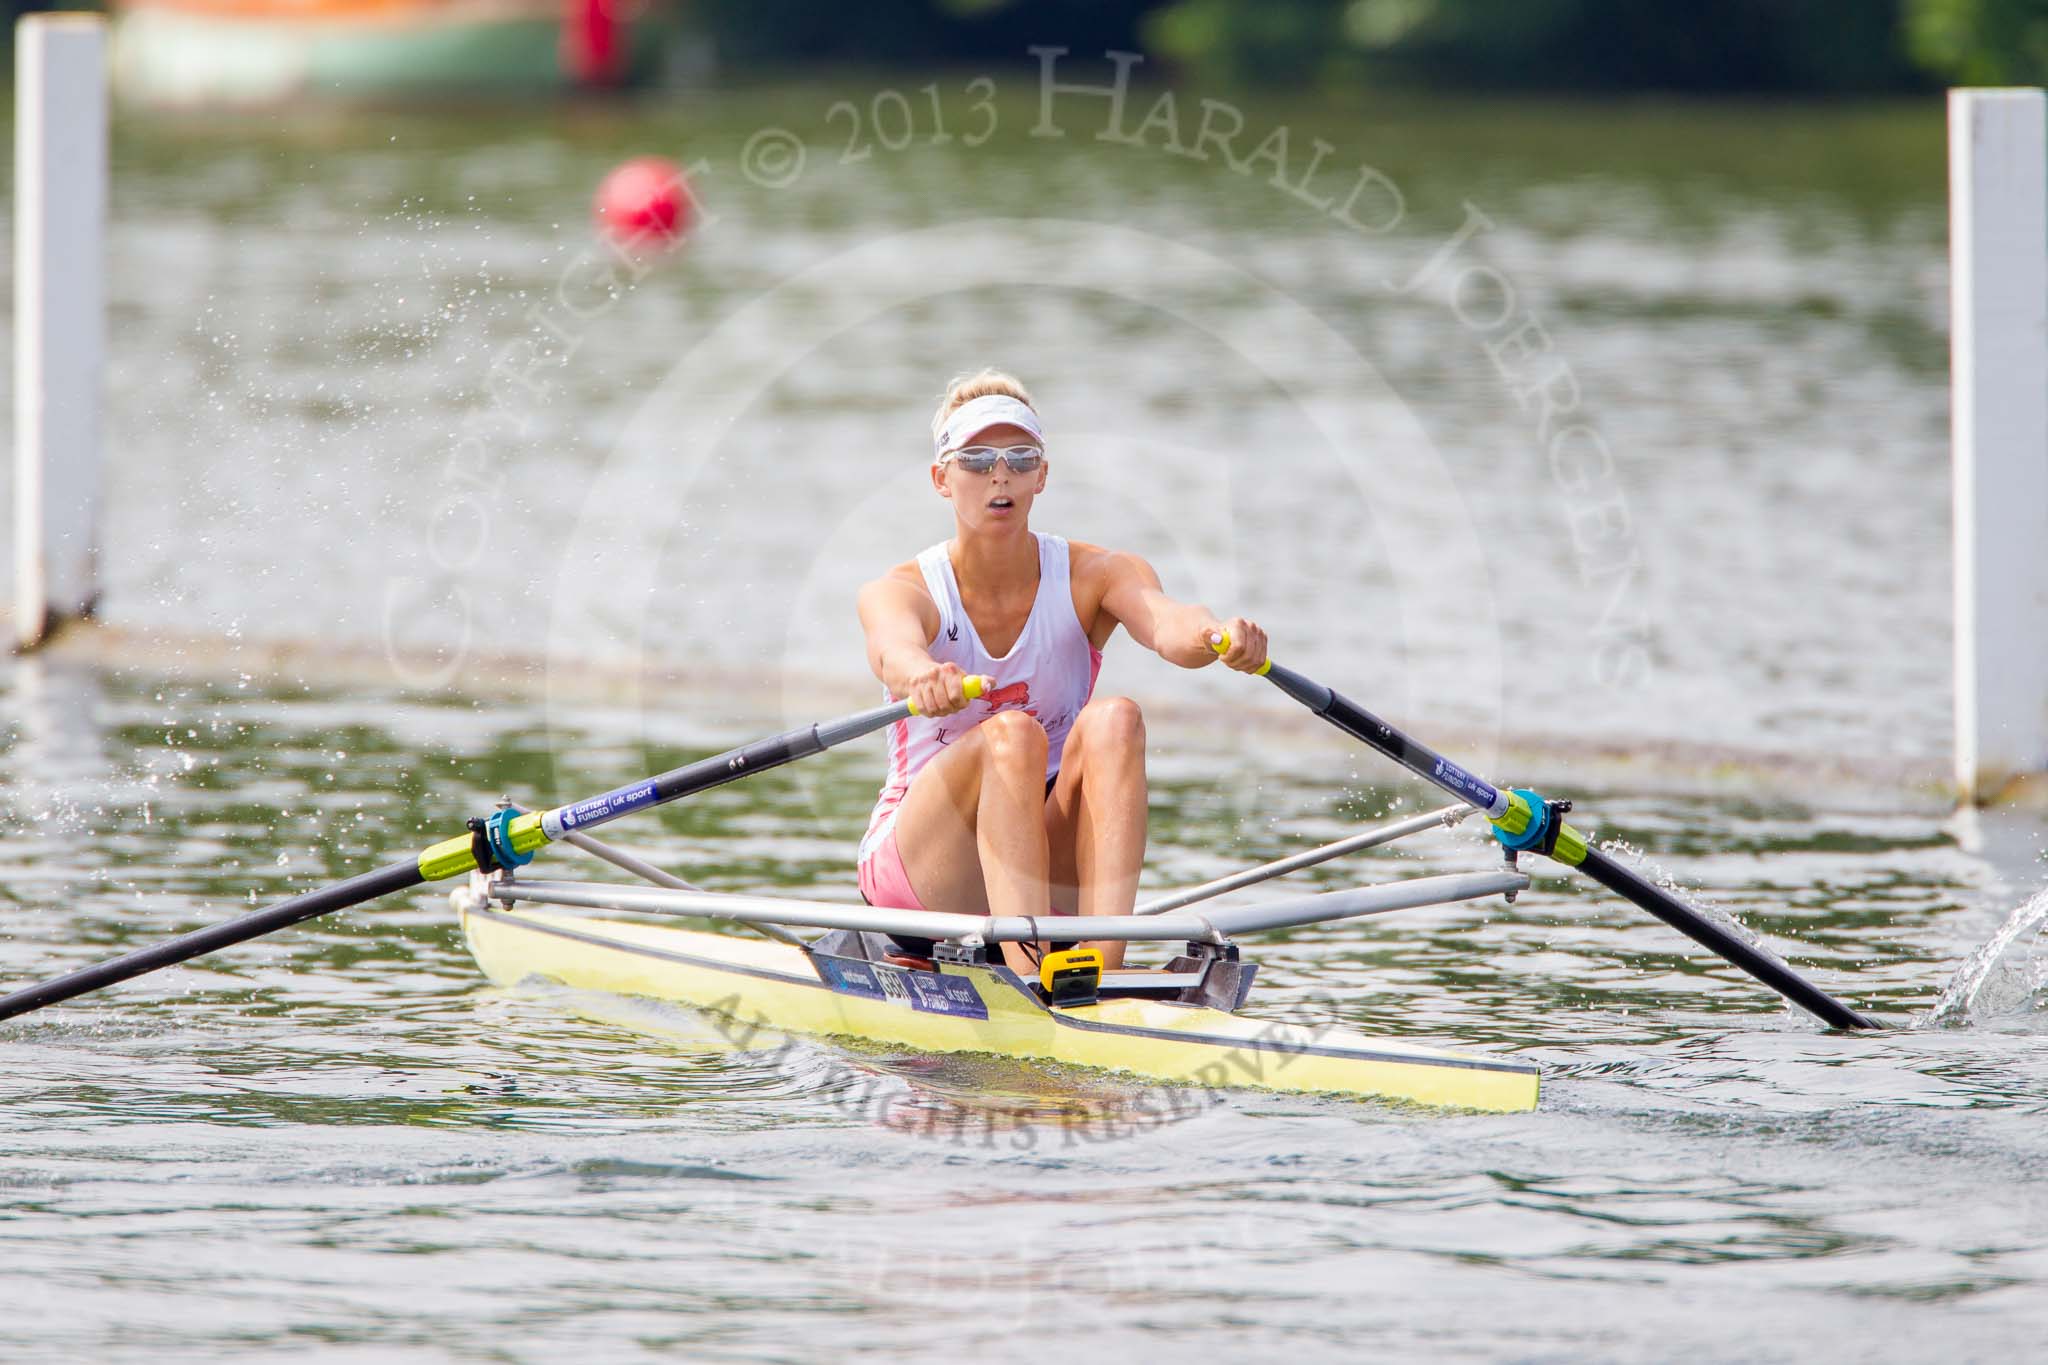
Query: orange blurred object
[{"x": 644, "y": 202}]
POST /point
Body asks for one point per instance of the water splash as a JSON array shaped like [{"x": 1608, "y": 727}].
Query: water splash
[
  {"x": 2004, "y": 977},
  {"x": 1629, "y": 855}
]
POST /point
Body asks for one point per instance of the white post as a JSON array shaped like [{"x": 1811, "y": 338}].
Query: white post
[
  {"x": 1998, "y": 278},
  {"x": 60, "y": 210}
]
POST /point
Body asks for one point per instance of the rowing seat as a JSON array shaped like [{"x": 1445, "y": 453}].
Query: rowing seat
[{"x": 1206, "y": 974}]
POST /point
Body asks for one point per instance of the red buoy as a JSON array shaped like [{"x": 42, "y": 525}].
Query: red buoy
[{"x": 644, "y": 202}]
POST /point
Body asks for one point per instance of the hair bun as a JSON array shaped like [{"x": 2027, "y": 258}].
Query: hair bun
[{"x": 968, "y": 387}]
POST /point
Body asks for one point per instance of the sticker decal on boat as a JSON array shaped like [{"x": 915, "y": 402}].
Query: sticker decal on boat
[{"x": 928, "y": 992}]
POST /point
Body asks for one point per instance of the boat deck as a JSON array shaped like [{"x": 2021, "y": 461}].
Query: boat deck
[{"x": 957, "y": 1008}]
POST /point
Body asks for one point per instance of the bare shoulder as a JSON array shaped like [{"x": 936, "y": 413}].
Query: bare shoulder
[
  {"x": 1103, "y": 579},
  {"x": 1098, "y": 565},
  {"x": 898, "y": 592},
  {"x": 906, "y": 573},
  {"x": 1091, "y": 562}
]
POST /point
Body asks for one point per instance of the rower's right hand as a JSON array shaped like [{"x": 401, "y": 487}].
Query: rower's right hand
[{"x": 937, "y": 690}]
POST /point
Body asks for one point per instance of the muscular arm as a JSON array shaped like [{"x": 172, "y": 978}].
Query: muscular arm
[
  {"x": 900, "y": 620},
  {"x": 1131, "y": 593},
  {"x": 1178, "y": 632}
]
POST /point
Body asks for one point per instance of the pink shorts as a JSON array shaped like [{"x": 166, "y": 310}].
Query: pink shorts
[
  {"x": 882, "y": 878},
  {"x": 884, "y": 882}
]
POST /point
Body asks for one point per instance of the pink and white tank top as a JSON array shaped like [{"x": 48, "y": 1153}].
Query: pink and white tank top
[{"x": 1049, "y": 673}]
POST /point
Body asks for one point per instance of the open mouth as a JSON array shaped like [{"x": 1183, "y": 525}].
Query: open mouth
[{"x": 1000, "y": 504}]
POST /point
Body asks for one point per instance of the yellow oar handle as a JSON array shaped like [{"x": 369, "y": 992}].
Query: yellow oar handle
[
  {"x": 975, "y": 685},
  {"x": 1221, "y": 644}
]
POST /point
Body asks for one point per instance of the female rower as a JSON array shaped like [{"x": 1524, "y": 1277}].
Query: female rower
[{"x": 1033, "y": 795}]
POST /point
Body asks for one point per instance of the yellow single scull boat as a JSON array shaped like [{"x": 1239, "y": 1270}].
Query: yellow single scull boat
[{"x": 1176, "y": 1025}]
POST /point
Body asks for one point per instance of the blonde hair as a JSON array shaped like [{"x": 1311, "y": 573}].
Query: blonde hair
[{"x": 968, "y": 387}]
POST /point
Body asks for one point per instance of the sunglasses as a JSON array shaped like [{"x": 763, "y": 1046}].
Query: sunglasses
[{"x": 981, "y": 459}]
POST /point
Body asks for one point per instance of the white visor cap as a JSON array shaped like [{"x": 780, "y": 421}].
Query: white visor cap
[{"x": 977, "y": 415}]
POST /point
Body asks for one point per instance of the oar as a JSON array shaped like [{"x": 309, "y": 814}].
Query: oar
[
  {"x": 1523, "y": 821},
  {"x": 506, "y": 839}
]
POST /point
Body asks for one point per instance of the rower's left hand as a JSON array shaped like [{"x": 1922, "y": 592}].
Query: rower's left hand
[{"x": 1247, "y": 643}]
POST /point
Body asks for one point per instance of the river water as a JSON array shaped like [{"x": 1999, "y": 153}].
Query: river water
[{"x": 331, "y": 420}]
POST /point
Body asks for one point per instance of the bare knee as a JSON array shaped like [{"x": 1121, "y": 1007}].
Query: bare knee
[
  {"x": 1112, "y": 724},
  {"x": 1014, "y": 739}
]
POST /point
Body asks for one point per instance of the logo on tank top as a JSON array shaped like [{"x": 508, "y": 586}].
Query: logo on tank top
[
  {"x": 1016, "y": 694},
  {"x": 953, "y": 633}
]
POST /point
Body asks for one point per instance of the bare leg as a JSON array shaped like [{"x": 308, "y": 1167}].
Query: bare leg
[
  {"x": 971, "y": 828},
  {"x": 1095, "y": 818}
]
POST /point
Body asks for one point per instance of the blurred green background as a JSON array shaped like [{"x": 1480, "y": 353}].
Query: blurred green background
[
  {"x": 1782, "y": 46},
  {"x": 1787, "y": 47}
]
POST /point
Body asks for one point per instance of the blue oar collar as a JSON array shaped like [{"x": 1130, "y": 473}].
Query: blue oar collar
[
  {"x": 490, "y": 840},
  {"x": 1546, "y": 818}
]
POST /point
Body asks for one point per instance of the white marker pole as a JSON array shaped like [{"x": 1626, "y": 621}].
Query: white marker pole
[
  {"x": 1998, "y": 273},
  {"x": 60, "y": 210}
]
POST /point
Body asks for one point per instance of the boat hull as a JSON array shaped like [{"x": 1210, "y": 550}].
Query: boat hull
[{"x": 758, "y": 985}]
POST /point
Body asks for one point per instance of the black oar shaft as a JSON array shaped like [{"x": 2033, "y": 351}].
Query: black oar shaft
[
  {"x": 354, "y": 891},
  {"x": 1630, "y": 885},
  {"x": 1426, "y": 763},
  {"x": 455, "y": 857},
  {"x": 1416, "y": 757},
  {"x": 717, "y": 770}
]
